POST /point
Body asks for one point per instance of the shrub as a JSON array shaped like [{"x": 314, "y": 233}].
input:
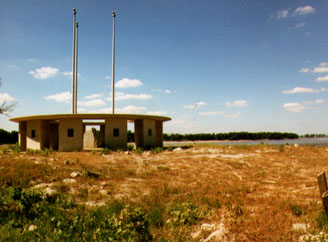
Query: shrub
[{"x": 184, "y": 214}]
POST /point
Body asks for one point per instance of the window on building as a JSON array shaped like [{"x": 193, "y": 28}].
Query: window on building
[
  {"x": 150, "y": 132},
  {"x": 33, "y": 133},
  {"x": 70, "y": 132},
  {"x": 116, "y": 132}
]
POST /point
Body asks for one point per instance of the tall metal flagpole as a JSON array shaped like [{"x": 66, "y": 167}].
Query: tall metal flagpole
[
  {"x": 113, "y": 66},
  {"x": 76, "y": 61},
  {"x": 73, "y": 64}
]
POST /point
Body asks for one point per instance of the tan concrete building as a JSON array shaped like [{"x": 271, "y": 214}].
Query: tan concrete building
[{"x": 65, "y": 132}]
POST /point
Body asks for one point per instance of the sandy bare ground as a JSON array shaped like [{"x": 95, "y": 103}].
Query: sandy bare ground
[{"x": 251, "y": 189}]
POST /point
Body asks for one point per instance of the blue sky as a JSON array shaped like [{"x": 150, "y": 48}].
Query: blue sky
[{"x": 210, "y": 65}]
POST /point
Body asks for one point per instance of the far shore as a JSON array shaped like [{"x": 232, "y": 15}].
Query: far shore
[{"x": 300, "y": 141}]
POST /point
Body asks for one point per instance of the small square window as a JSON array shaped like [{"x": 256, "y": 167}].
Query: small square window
[
  {"x": 150, "y": 132},
  {"x": 70, "y": 132},
  {"x": 33, "y": 133},
  {"x": 116, "y": 132}
]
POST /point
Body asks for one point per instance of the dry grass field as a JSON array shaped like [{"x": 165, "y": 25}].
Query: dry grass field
[{"x": 244, "y": 193}]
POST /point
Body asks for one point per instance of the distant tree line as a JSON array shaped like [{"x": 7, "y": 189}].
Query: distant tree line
[
  {"x": 314, "y": 136},
  {"x": 229, "y": 136},
  {"x": 8, "y": 137}
]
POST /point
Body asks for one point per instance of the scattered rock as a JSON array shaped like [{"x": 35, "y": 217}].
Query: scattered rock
[
  {"x": 218, "y": 235},
  {"x": 32, "y": 227},
  {"x": 75, "y": 174},
  {"x": 49, "y": 191},
  {"x": 177, "y": 149},
  {"x": 103, "y": 192},
  {"x": 196, "y": 235},
  {"x": 310, "y": 237},
  {"x": 300, "y": 227},
  {"x": 208, "y": 227},
  {"x": 69, "y": 181},
  {"x": 127, "y": 152},
  {"x": 296, "y": 145},
  {"x": 36, "y": 162},
  {"x": 103, "y": 183},
  {"x": 66, "y": 162},
  {"x": 146, "y": 153}
]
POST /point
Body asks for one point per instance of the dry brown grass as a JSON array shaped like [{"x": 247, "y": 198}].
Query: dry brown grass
[{"x": 250, "y": 188}]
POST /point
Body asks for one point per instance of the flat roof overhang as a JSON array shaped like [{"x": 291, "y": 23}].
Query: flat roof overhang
[{"x": 90, "y": 116}]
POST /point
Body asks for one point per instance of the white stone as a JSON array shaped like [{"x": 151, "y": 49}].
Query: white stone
[
  {"x": 177, "y": 149},
  {"x": 69, "y": 181},
  {"x": 75, "y": 174},
  {"x": 36, "y": 162},
  {"x": 49, "y": 191},
  {"x": 208, "y": 227},
  {"x": 296, "y": 145},
  {"x": 196, "y": 235},
  {"x": 217, "y": 235},
  {"x": 32, "y": 227},
  {"x": 300, "y": 227},
  {"x": 127, "y": 152}
]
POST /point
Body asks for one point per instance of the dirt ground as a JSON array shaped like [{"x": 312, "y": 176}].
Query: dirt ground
[{"x": 258, "y": 192}]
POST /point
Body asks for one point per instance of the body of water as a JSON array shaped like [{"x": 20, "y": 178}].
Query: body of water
[{"x": 301, "y": 141}]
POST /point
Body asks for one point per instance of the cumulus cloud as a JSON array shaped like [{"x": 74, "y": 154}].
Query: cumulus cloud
[
  {"x": 60, "y": 97},
  {"x": 5, "y": 97},
  {"x": 321, "y": 69},
  {"x": 211, "y": 113},
  {"x": 108, "y": 77},
  {"x": 302, "y": 11},
  {"x": 92, "y": 103},
  {"x": 318, "y": 101},
  {"x": 159, "y": 113},
  {"x": 94, "y": 96},
  {"x": 322, "y": 79},
  {"x": 167, "y": 91},
  {"x": 195, "y": 106},
  {"x": 237, "y": 103},
  {"x": 305, "y": 70},
  {"x": 131, "y": 109},
  {"x": 297, "y": 90},
  {"x": 120, "y": 96},
  {"x": 294, "y": 107},
  {"x": 282, "y": 13},
  {"x": 126, "y": 83},
  {"x": 44, "y": 72}
]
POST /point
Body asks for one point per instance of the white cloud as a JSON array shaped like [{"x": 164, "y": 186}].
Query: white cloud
[
  {"x": 159, "y": 113},
  {"x": 108, "y": 77},
  {"x": 69, "y": 73},
  {"x": 131, "y": 109},
  {"x": 94, "y": 96},
  {"x": 60, "y": 97},
  {"x": 119, "y": 96},
  {"x": 81, "y": 110},
  {"x": 167, "y": 91},
  {"x": 321, "y": 69},
  {"x": 322, "y": 79},
  {"x": 237, "y": 103},
  {"x": 126, "y": 83},
  {"x": 294, "y": 107},
  {"x": 44, "y": 72},
  {"x": 305, "y": 70},
  {"x": 318, "y": 101},
  {"x": 303, "y": 90},
  {"x": 92, "y": 103},
  {"x": 304, "y": 10},
  {"x": 5, "y": 97},
  {"x": 212, "y": 113},
  {"x": 282, "y": 13},
  {"x": 234, "y": 115},
  {"x": 195, "y": 106}
]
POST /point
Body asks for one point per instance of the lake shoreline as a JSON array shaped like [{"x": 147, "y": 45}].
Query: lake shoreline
[{"x": 300, "y": 141}]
